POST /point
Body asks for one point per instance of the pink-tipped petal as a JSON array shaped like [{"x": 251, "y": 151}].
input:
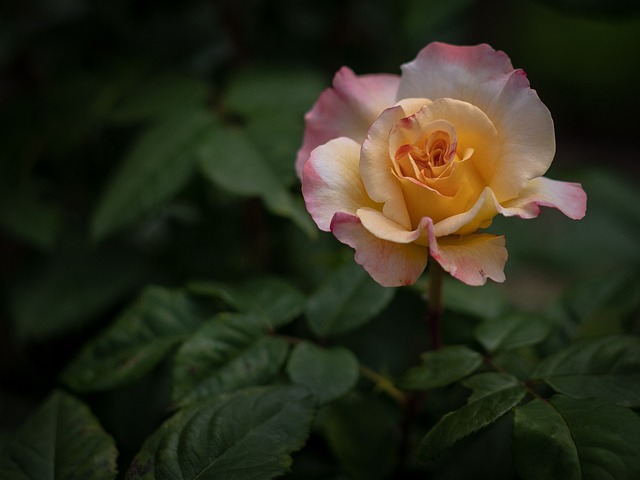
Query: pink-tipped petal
[
  {"x": 526, "y": 135},
  {"x": 472, "y": 258},
  {"x": 472, "y": 74},
  {"x": 390, "y": 264},
  {"x": 469, "y": 258},
  {"x": 331, "y": 181},
  {"x": 567, "y": 197},
  {"x": 486, "y": 79},
  {"x": 346, "y": 110}
]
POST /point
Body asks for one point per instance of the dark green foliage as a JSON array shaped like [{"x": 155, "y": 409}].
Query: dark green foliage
[
  {"x": 157, "y": 260},
  {"x": 61, "y": 440},
  {"x": 602, "y": 367},
  {"x": 135, "y": 342},
  {"x": 347, "y": 300},
  {"x": 483, "y": 409},
  {"x": 441, "y": 368},
  {"x": 328, "y": 373},
  {"x": 227, "y": 353},
  {"x": 245, "y": 435},
  {"x": 576, "y": 438}
]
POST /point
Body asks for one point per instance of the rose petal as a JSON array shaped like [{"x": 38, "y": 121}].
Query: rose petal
[
  {"x": 390, "y": 264},
  {"x": 471, "y": 258},
  {"x": 376, "y": 167},
  {"x": 346, "y": 110},
  {"x": 331, "y": 181},
  {"x": 567, "y": 197},
  {"x": 526, "y": 136},
  {"x": 486, "y": 79},
  {"x": 438, "y": 198},
  {"x": 384, "y": 228},
  {"x": 478, "y": 216},
  {"x": 472, "y": 74}
]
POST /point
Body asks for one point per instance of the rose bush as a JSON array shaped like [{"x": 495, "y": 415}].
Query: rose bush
[{"x": 407, "y": 167}]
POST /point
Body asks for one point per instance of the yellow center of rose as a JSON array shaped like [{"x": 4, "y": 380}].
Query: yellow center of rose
[
  {"x": 443, "y": 154},
  {"x": 430, "y": 156}
]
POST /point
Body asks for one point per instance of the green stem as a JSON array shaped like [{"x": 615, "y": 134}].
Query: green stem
[
  {"x": 527, "y": 385},
  {"x": 384, "y": 384},
  {"x": 434, "y": 309},
  {"x": 381, "y": 382}
]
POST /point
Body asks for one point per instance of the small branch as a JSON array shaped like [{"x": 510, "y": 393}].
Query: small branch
[
  {"x": 381, "y": 382},
  {"x": 527, "y": 385},
  {"x": 384, "y": 384},
  {"x": 434, "y": 299}
]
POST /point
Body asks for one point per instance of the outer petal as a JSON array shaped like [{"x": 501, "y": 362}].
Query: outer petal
[
  {"x": 472, "y": 74},
  {"x": 347, "y": 109},
  {"x": 526, "y": 133},
  {"x": 390, "y": 264},
  {"x": 567, "y": 197},
  {"x": 485, "y": 78},
  {"x": 331, "y": 181},
  {"x": 471, "y": 258}
]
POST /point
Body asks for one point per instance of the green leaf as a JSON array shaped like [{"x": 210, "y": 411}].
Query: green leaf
[
  {"x": 485, "y": 302},
  {"x": 138, "y": 340},
  {"x": 477, "y": 414},
  {"x": 156, "y": 168},
  {"x": 240, "y": 436},
  {"x": 488, "y": 383},
  {"x": 603, "y": 367},
  {"x": 441, "y": 367},
  {"x": 542, "y": 445},
  {"x": 256, "y": 90},
  {"x": 604, "y": 302},
  {"x": 273, "y": 299},
  {"x": 227, "y": 353},
  {"x": 361, "y": 432},
  {"x": 607, "y": 437},
  {"x": 278, "y": 135},
  {"x": 229, "y": 159},
  {"x": 329, "y": 373},
  {"x": 160, "y": 96},
  {"x": 576, "y": 438},
  {"x": 273, "y": 103},
  {"x": 62, "y": 440},
  {"x": 347, "y": 300},
  {"x": 513, "y": 331}
]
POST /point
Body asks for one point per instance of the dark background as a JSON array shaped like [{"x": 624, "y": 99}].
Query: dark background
[{"x": 65, "y": 65}]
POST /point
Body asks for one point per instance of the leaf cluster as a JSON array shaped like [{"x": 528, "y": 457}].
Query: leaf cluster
[{"x": 170, "y": 310}]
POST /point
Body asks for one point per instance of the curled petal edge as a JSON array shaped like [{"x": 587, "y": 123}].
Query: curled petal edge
[
  {"x": 567, "y": 197},
  {"x": 346, "y": 109},
  {"x": 469, "y": 258},
  {"x": 390, "y": 264}
]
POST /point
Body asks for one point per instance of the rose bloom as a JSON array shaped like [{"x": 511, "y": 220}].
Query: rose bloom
[{"x": 403, "y": 168}]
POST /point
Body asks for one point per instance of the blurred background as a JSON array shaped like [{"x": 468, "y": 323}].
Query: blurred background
[{"x": 153, "y": 141}]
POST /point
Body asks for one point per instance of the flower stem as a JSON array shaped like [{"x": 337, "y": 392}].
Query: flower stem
[
  {"x": 384, "y": 384},
  {"x": 434, "y": 309}
]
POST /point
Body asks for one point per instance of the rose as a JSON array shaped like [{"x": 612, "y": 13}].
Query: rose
[{"x": 406, "y": 167}]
